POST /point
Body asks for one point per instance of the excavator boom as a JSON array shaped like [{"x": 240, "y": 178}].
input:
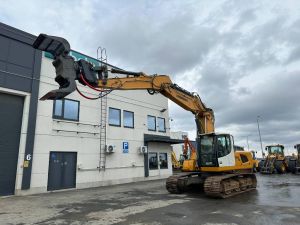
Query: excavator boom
[{"x": 68, "y": 70}]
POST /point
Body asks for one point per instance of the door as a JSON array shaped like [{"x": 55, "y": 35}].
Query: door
[
  {"x": 207, "y": 151},
  {"x": 62, "y": 170},
  {"x": 153, "y": 164},
  {"x": 11, "y": 111}
]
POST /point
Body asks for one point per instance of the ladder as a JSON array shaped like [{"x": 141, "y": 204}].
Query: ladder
[
  {"x": 103, "y": 117},
  {"x": 103, "y": 114}
]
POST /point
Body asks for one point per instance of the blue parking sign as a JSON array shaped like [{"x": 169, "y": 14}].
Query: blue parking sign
[{"x": 125, "y": 147}]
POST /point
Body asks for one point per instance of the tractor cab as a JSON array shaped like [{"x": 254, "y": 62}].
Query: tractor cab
[{"x": 275, "y": 150}]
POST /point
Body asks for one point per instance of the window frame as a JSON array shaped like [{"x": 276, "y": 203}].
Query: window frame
[
  {"x": 132, "y": 119},
  {"x": 154, "y": 123},
  {"x": 62, "y": 117},
  {"x": 165, "y": 130},
  {"x": 120, "y": 119}
]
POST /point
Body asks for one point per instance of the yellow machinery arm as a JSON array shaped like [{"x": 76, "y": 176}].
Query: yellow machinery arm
[
  {"x": 68, "y": 71},
  {"x": 164, "y": 85}
]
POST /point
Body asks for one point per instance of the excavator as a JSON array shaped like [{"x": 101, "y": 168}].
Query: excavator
[
  {"x": 275, "y": 160},
  {"x": 176, "y": 164},
  {"x": 222, "y": 171},
  {"x": 189, "y": 155}
]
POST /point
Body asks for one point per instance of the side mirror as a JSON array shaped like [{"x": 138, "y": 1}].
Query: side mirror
[
  {"x": 266, "y": 148},
  {"x": 295, "y": 147}
]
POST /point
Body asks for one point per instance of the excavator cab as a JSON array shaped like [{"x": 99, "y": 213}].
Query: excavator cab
[{"x": 215, "y": 150}]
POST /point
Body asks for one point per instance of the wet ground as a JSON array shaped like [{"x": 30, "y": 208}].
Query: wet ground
[{"x": 276, "y": 201}]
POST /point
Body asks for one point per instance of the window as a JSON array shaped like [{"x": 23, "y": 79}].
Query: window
[
  {"x": 151, "y": 123},
  {"x": 244, "y": 158},
  {"x": 163, "y": 158},
  {"x": 161, "y": 124},
  {"x": 153, "y": 163},
  {"x": 128, "y": 119},
  {"x": 114, "y": 117},
  {"x": 222, "y": 146},
  {"x": 66, "y": 109}
]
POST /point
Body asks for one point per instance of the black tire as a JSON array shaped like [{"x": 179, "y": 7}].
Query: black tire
[
  {"x": 292, "y": 165},
  {"x": 280, "y": 167},
  {"x": 287, "y": 160},
  {"x": 260, "y": 165}
]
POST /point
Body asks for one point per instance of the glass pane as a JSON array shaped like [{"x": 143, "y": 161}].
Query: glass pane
[
  {"x": 151, "y": 123},
  {"x": 206, "y": 144},
  {"x": 114, "y": 117},
  {"x": 71, "y": 109},
  {"x": 58, "y": 107},
  {"x": 221, "y": 146},
  {"x": 161, "y": 124},
  {"x": 207, "y": 151},
  {"x": 153, "y": 164},
  {"x": 163, "y": 158},
  {"x": 128, "y": 119},
  {"x": 276, "y": 150}
]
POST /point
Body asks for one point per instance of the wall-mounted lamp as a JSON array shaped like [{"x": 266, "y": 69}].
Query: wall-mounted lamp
[{"x": 163, "y": 110}]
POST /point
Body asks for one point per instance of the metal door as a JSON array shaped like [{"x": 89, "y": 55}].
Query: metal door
[
  {"x": 69, "y": 170},
  {"x": 62, "y": 170},
  {"x": 11, "y": 111}
]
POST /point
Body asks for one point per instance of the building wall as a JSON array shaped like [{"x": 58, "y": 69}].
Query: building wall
[
  {"x": 19, "y": 75},
  {"x": 83, "y": 136}
]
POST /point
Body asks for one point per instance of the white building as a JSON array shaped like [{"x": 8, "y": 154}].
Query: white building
[{"x": 60, "y": 140}]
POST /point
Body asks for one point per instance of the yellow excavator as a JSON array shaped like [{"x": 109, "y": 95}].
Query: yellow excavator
[
  {"x": 176, "y": 164},
  {"x": 222, "y": 171}
]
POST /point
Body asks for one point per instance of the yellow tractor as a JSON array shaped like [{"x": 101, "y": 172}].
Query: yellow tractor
[
  {"x": 275, "y": 161},
  {"x": 222, "y": 171},
  {"x": 294, "y": 161}
]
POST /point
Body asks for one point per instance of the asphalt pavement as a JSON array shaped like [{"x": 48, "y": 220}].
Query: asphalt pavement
[{"x": 276, "y": 201}]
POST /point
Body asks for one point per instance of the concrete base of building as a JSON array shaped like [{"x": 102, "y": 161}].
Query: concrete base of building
[{"x": 39, "y": 190}]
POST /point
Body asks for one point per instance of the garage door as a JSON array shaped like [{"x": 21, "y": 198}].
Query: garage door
[{"x": 11, "y": 111}]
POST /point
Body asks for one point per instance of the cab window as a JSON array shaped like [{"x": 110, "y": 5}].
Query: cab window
[{"x": 223, "y": 146}]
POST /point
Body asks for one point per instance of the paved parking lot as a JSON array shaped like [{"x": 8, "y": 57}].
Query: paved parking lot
[{"x": 276, "y": 201}]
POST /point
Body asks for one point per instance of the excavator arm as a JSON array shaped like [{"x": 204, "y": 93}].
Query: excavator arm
[
  {"x": 68, "y": 70},
  {"x": 163, "y": 85}
]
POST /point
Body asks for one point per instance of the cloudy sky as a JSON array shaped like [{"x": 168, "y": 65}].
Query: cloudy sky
[{"x": 242, "y": 57}]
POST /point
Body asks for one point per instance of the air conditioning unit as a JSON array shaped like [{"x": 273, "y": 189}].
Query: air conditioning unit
[
  {"x": 110, "y": 149},
  {"x": 143, "y": 149}
]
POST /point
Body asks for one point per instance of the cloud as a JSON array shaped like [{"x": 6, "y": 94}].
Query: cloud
[{"x": 242, "y": 57}]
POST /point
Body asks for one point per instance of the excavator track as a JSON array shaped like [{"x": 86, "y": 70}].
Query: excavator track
[
  {"x": 177, "y": 184},
  {"x": 216, "y": 186},
  {"x": 225, "y": 186}
]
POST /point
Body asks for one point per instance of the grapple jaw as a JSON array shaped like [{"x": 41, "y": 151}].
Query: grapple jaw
[{"x": 66, "y": 68}]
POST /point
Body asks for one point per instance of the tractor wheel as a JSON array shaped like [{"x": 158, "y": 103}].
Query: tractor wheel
[
  {"x": 260, "y": 165},
  {"x": 280, "y": 167},
  {"x": 292, "y": 165}
]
